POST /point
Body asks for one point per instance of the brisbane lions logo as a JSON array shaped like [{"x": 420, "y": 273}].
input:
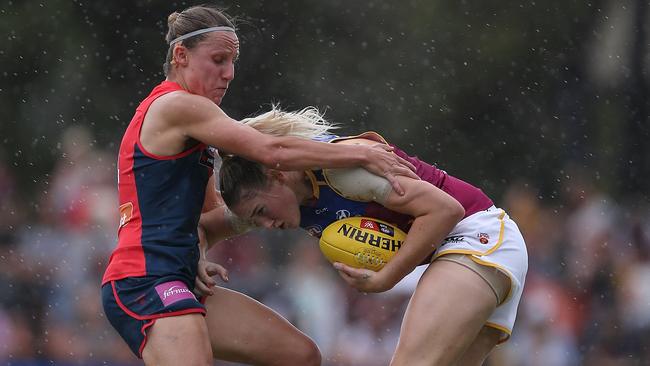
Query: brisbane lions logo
[{"x": 342, "y": 214}]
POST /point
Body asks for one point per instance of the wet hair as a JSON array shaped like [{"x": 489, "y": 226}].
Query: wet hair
[
  {"x": 190, "y": 20},
  {"x": 238, "y": 177}
]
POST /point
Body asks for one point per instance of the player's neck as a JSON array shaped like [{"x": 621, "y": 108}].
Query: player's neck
[{"x": 178, "y": 79}]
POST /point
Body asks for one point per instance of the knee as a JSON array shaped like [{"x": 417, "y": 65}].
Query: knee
[{"x": 307, "y": 353}]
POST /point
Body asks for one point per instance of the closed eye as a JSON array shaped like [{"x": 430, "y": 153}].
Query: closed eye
[{"x": 257, "y": 211}]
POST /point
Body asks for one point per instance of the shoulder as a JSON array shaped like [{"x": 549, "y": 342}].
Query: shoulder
[
  {"x": 184, "y": 107},
  {"x": 183, "y": 102}
]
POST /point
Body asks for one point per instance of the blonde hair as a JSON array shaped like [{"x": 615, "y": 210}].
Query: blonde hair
[{"x": 306, "y": 123}]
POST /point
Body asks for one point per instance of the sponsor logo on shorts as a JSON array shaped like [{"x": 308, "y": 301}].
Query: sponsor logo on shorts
[
  {"x": 454, "y": 239},
  {"x": 483, "y": 238},
  {"x": 173, "y": 291},
  {"x": 126, "y": 212}
]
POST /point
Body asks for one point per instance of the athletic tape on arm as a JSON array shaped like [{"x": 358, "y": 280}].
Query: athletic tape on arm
[{"x": 358, "y": 184}]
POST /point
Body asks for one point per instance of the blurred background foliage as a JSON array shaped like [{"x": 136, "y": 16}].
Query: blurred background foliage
[{"x": 493, "y": 92}]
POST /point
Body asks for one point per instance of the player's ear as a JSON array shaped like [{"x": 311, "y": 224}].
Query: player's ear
[{"x": 179, "y": 54}]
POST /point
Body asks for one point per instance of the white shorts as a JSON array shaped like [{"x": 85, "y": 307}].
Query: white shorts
[{"x": 491, "y": 238}]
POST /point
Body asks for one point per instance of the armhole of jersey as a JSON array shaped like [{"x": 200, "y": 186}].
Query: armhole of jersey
[
  {"x": 358, "y": 184},
  {"x": 369, "y": 135},
  {"x": 181, "y": 154}
]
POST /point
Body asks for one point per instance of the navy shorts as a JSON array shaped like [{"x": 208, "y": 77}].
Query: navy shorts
[{"x": 133, "y": 304}]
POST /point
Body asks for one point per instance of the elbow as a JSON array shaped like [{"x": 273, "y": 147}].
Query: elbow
[{"x": 455, "y": 211}]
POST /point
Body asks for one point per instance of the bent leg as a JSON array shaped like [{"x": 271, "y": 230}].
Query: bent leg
[
  {"x": 178, "y": 340},
  {"x": 478, "y": 351},
  {"x": 448, "y": 309},
  {"x": 243, "y": 330}
]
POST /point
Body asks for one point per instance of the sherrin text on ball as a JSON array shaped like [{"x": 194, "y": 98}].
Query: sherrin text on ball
[{"x": 361, "y": 242}]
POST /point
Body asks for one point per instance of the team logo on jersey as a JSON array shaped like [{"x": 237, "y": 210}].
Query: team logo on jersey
[
  {"x": 173, "y": 291},
  {"x": 483, "y": 238},
  {"x": 341, "y": 214},
  {"x": 314, "y": 230},
  {"x": 207, "y": 157},
  {"x": 126, "y": 212}
]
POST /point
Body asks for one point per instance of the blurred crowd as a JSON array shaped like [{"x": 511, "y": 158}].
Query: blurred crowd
[{"x": 586, "y": 301}]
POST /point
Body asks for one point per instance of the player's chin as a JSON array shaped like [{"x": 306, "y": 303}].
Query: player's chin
[
  {"x": 217, "y": 99},
  {"x": 218, "y": 96}
]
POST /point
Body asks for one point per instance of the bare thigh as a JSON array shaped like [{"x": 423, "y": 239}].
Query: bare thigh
[
  {"x": 244, "y": 330},
  {"x": 478, "y": 351},
  {"x": 178, "y": 340},
  {"x": 447, "y": 311}
]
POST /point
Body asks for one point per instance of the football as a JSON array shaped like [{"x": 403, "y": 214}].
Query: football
[{"x": 361, "y": 242}]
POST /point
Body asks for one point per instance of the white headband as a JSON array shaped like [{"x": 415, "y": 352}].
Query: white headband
[{"x": 201, "y": 31}]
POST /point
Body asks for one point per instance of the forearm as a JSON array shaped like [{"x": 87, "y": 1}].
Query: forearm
[
  {"x": 203, "y": 242},
  {"x": 210, "y": 125},
  {"x": 426, "y": 233},
  {"x": 291, "y": 153},
  {"x": 215, "y": 226}
]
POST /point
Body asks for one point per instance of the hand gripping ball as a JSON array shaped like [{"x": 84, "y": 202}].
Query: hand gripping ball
[{"x": 361, "y": 242}]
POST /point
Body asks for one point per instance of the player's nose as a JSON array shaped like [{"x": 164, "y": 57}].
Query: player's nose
[{"x": 229, "y": 72}]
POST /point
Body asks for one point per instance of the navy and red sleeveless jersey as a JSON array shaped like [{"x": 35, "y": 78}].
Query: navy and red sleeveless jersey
[
  {"x": 329, "y": 206},
  {"x": 161, "y": 198}
]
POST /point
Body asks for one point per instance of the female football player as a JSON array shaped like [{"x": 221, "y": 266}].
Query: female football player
[
  {"x": 466, "y": 301},
  {"x": 164, "y": 167}
]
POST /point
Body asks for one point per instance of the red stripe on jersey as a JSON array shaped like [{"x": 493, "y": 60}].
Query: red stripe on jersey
[
  {"x": 128, "y": 255},
  {"x": 129, "y": 249},
  {"x": 128, "y": 259}
]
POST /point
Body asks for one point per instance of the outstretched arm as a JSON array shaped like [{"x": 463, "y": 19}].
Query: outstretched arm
[{"x": 198, "y": 118}]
